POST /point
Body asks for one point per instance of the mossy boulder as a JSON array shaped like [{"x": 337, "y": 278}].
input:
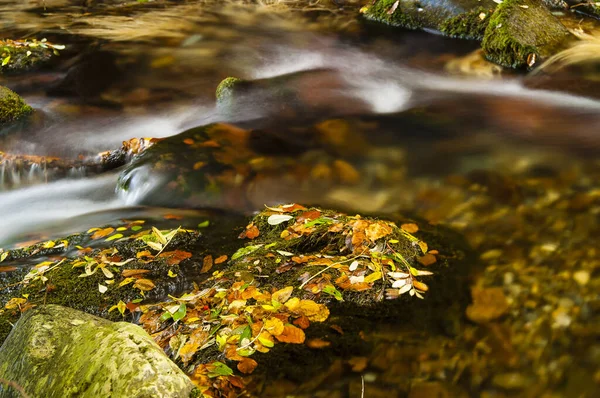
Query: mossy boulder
[
  {"x": 521, "y": 33},
  {"x": 456, "y": 18},
  {"x": 17, "y": 56},
  {"x": 12, "y": 107},
  {"x": 305, "y": 285},
  {"x": 55, "y": 351},
  {"x": 226, "y": 88}
]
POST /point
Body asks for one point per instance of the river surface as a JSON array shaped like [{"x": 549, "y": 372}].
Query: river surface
[{"x": 424, "y": 131}]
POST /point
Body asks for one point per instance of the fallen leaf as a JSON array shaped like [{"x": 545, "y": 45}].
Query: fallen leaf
[
  {"x": 221, "y": 259},
  {"x": 282, "y": 295},
  {"x": 313, "y": 311},
  {"x": 411, "y": 228},
  {"x": 207, "y": 264},
  {"x": 318, "y": 343},
  {"x": 251, "y": 232},
  {"x": 103, "y": 232},
  {"x": 144, "y": 284},
  {"x": 377, "y": 230},
  {"x": 172, "y": 217},
  {"x": 291, "y": 334},
  {"x": 247, "y": 365},
  {"x": 7, "y": 269},
  {"x": 302, "y": 322},
  {"x": 358, "y": 363},
  {"x": 131, "y": 272},
  {"x": 175, "y": 257},
  {"x": 274, "y": 326},
  {"x": 277, "y": 219}
]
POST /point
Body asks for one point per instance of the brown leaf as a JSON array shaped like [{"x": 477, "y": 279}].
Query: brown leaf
[
  {"x": 291, "y": 334},
  {"x": 175, "y": 257},
  {"x": 411, "y": 228},
  {"x": 338, "y": 329},
  {"x": 343, "y": 282},
  {"x": 318, "y": 343},
  {"x": 102, "y": 233},
  {"x": 7, "y": 269},
  {"x": 308, "y": 216},
  {"x": 427, "y": 259},
  {"x": 144, "y": 284},
  {"x": 302, "y": 322},
  {"x": 247, "y": 365},
  {"x": 131, "y": 272},
  {"x": 378, "y": 230},
  {"x": 221, "y": 259},
  {"x": 207, "y": 264},
  {"x": 358, "y": 235},
  {"x": 274, "y": 326},
  {"x": 189, "y": 349},
  {"x": 282, "y": 295}
]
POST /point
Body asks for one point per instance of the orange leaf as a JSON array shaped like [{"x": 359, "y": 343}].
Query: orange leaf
[
  {"x": 318, "y": 343},
  {"x": 274, "y": 326},
  {"x": 410, "y": 228},
  {"x": 131, "y": 272},
  {"x": 7, "y": 269},
  {"x": 207, "y": 263},
  {"x": 308, "y": 216},
  {"x": 232, "y": 353},
  {"x": 102, "y": 233},
  {"x": 251, "y": 232},
  {"x": 175, "y": 257},
  {"x": 189, "y": 349},
  {"x": 291, "y": 334},
  {"x": 302, "y": 322},
  {"x": 247, "y": 365},
  {"x": 221, "y": 259},
  {"x": 144, "y": 284},
  {"x": 358, "y": 363},
  {"x": 172, "y": 217},
  {"x": 292, "y": 208},
  {"x": 188, "y": 141},
  {"x": 427, "y": 259},
  {"x": 144, "y": 253},
  {"x": 378, "y": 230}
]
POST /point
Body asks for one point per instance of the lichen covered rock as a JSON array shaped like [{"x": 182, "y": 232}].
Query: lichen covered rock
[
  {"x": 12, "y": 107},
  {"x": 523, "y": 32},
  {"x": 55, "y": 351}
]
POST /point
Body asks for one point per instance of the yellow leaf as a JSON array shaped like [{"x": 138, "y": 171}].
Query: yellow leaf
[
  {"x": 144, "y": 284},
  {"x": 308, "y": 308},
  {"x": 126, "y": 281},
  {"x": 282, "y": 295},
  {"x": 274, "y": 326},
  {"x": 375, "y": 276},
  {"x": 377, "y": 230},
  {"x": 48, "y": 245}
]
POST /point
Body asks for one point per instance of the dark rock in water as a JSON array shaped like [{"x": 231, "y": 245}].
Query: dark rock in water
[
  {"x": 521, "y": 33},
  {"x": 55, "y": 351},
  {"x": 89, "y": 77},
  {"x": 12, "y": 107}
]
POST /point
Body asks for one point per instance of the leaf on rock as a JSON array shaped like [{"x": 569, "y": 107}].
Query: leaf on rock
[
  {"x": 247, "y": 365},
  {"x": 175, "y": 257},
  {"x": 103, "y": 232},
  {"x": 251, "y": 232},
  {"x": 282, "y": 295},
  {"x": 277, "y": 219},
  {"x": 144, "y": 284},
  {"x": 411, "y": 228},
  {"x": 378, "y": 230},
  {"x": 207, "y": 264},
  {"x": 291, "y": 334}
]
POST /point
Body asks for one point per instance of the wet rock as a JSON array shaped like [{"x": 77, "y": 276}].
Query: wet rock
[
  {"x": 19, "y": 56},
  {"x": 12, "y": 107},
  {"x": 456, "y": 18},
  {"x": 521, "y": 33},
  {"x": 57, "y": 351}
]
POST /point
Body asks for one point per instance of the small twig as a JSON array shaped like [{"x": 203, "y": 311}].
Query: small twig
[
  {"x": 14, "y": 386},
  {"x": 362, "y": 391}
]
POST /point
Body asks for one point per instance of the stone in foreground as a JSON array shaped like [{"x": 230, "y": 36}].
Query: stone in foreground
[
  {"x": 55, "y": 351},
  {"x": 12, "y": 107}
]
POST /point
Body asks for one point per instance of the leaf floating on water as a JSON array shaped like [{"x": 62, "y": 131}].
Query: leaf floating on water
[
  {"x": 207, "y": 264},
  {"x": 277, "y": 219},
  {"x": 204, "y": 224},
  {"x": 221, "y": 259},
  {"x": 8, "y": 269}
]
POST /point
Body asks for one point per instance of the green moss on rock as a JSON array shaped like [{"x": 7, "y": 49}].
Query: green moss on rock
[
  {"x": 225, "y": 88},
  {"x": 470, "y": 25},
  {"x": 17, "y": 56},
  {"x": 380, "y": 12},
  {"x": 521, "y": 33},
  {"x": 12, "y": 107},
  {"x": 57, "y": 351}
]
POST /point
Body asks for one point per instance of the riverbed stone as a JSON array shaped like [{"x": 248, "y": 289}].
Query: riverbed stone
[
  {"x": 521, "y": 33},
  {"x": 12, "y": 106},
  {"x": 55, "y": 351}
]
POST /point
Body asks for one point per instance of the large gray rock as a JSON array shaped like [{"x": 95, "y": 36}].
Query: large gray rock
[{"x": 55, "y": 351}]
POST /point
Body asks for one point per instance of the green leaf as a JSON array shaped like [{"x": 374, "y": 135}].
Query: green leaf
[
  {"x": 244, "y": 251},
  {"x": 266, "y": 342},
  {"x": 136, "y": 227},
  {"x": 115, "y": 236},
  {"x": 6, "y": 60},
  {"x": 220, "y": 369},
  {"x": 3, "y": 256},
  {"x": 166, "y": 315},
  {"x": 246, "y": 334},
  {"x": 180, "y": 313},
  {"x": 204, "y": 224},
  {"x": 318, "y": 221},
  {"x": 331, "y": 290}
]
